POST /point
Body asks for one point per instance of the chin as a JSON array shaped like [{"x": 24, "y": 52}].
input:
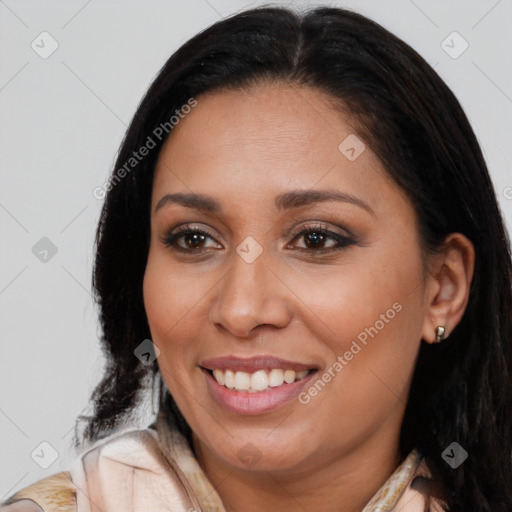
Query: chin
[{"x": 259, "y": 453}]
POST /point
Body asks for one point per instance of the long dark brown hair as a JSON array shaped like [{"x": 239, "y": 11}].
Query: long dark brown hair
[{"x": 462, "y": 388}]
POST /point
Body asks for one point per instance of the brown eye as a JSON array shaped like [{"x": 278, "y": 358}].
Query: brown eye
[
  {"x": 188, "y": 239},
  {"x": 317, "y": 239}
]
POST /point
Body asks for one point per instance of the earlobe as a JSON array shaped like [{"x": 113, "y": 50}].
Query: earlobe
[{"x": 448, "y": 287}]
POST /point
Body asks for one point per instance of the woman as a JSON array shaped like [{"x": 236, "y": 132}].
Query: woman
[{"x": 301, "y": 247}]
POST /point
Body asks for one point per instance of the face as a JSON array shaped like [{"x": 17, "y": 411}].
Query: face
[{"x": 287, "y": 296}]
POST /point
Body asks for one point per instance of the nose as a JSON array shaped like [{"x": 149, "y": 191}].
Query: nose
[{"x": 250, "y": 295}]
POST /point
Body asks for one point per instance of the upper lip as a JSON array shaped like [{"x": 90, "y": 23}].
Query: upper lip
[{"x": 253, "y": 364}]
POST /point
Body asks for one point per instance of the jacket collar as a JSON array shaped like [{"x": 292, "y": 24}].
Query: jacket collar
[{"x": 398, "y": 490}]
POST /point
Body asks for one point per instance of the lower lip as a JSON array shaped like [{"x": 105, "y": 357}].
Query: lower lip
[{"x": 243, "y": 402}]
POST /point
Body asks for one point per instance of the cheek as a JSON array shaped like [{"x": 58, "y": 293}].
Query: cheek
[
  {"x": 159, "y": 301},
  {"x": 376, "y": 313},
  {"x": 169, "y": 299},
  {"x": 170, "y": 291},
  {"x": 370, "y": 312},
  {"x": 367, "y": 289}
]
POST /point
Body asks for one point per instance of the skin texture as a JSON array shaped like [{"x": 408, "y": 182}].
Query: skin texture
[{"x": 243, "y": 148}]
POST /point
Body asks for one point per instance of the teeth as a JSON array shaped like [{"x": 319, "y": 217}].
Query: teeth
[
  {"x": 257, "y": 381},
  {"x": 242, "y": 381},
  {"x": 229, "y": 379},
  {"x": 289, "y": 376},
  {"x": 219, "y": 376},
  {"x": 275, "y": 378}
]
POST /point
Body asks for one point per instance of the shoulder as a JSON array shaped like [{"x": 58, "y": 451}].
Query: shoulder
[{"x": 56, "y": 492}]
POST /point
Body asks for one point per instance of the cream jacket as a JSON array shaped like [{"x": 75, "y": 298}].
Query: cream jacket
[{"x": 154, "y": 470}]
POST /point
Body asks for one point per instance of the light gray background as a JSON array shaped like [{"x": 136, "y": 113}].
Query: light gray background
[{"x": 62, "y": 120}]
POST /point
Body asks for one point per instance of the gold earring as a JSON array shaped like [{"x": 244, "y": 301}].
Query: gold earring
[{"x": 440, "y": 334}]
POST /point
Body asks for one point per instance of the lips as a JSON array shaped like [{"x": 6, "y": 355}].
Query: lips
[
  {"x": 255, "y": 385},
  {"x": 253, "y": 364}
]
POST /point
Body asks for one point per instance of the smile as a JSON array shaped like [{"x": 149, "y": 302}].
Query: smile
[
  {"x": 256, "y": 385},
  {"x": 258, "y": 381}
]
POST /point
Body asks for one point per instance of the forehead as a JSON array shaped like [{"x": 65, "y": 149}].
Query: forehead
[
  {"x": 263, "y": 141},
  {"x": 274, "y": 120}
]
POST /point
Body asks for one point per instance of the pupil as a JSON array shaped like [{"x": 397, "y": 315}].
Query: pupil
[
  {"x": 315, "y": 238},
  {"x": 193, "y": 239}
]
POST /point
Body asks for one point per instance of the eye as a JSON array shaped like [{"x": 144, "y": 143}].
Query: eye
[
  {"x": 188, "y": 239},
  {"x": 319, "y": 239}
]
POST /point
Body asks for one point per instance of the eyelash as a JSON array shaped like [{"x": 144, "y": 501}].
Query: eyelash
[{"x": 170, "y": 240}]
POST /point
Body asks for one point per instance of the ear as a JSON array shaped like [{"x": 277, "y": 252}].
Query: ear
[{"x": 448, "y": 284}]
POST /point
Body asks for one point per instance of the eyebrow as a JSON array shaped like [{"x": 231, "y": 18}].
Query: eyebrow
[{"x": 286, "y": 201}]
